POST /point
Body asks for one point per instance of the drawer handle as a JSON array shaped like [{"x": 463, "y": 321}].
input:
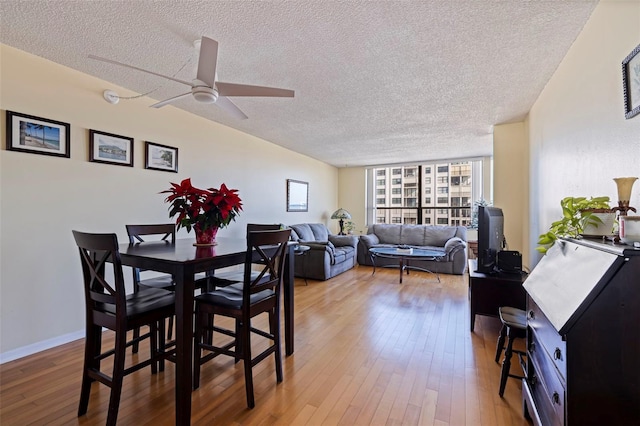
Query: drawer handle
[
  {"x": 557, "y": 354},
  {"x": 556, "y": 398},
  {"x": 532, "y": 315}
]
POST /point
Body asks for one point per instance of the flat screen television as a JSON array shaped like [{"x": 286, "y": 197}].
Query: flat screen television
[{"x": 490, "y": 237}]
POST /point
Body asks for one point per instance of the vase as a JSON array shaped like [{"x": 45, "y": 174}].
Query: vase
[{"x": 205, "y": 237}]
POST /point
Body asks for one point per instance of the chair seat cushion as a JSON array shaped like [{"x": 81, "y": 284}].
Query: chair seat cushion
[
  {"x": 231, "y": 299},
  {"x": 513, "y": 317},
  {"x": 145, "y": 300}
]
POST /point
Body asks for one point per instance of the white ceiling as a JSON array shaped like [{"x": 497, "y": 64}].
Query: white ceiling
[{"x": 376, "y": 82}]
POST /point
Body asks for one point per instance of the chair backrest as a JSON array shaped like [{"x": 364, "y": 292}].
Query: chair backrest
[
  {"x": 136, "y": 232},
  {"x": 254, "y": 227},
  {"x": 268, "y": 249},
  {"x": 167, "y": 231},
  {"x": 96, "y": 251}
]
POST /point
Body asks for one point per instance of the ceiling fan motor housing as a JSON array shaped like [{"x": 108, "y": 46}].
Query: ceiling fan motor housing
[{"x": 204, "y": 94}]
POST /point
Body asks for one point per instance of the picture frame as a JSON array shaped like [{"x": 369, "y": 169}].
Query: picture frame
[
  {"x": 160, "y": 157},
  {"x": 37, "y": 135},
  {"x": 109, "y": 148},
  {"x": 631, "y": 83},
  {"x": 297, "y": 196}
]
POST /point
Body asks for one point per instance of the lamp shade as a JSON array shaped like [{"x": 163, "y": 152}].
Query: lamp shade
[
  {"x": 341, "y": 214},
  {"x": 624, "y": 187}
]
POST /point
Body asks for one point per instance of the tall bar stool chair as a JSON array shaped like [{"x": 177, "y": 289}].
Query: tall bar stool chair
[
  {"x": 108, "y": 306},
  {"x": 259, "y": 295},
  {"x": 514, "y": 326}
]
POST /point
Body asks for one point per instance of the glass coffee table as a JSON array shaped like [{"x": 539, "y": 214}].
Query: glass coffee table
[{"x": 404, "y": 256}]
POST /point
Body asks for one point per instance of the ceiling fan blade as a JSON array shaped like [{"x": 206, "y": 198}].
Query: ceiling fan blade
[
  {"x": 207, "y": 61},
  {"x": 232, "y": 89},
  {"x": 111, "y": 61},
  {"x": 168, "y": 101},
  {"x": 230, "y": 107}
]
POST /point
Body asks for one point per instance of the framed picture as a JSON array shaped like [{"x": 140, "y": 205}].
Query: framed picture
[
  {"x": 297, "y": 196},
  {"x": 36, "y": 135},
  {"x": 110, "y": 149},
  {"x": 631, "y": 83},
  {"x": 160, "y": 157}
]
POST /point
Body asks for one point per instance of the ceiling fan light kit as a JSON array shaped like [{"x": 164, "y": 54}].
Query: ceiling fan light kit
[{"x": 205, "y": 88}]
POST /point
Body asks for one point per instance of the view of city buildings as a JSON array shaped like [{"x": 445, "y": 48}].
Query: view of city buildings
[{"x": 429, "y": 194}]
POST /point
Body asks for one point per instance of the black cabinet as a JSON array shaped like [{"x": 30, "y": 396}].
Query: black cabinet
[
  {"x": 583, "y": 336},
  {"x": 488, "y": 292}
]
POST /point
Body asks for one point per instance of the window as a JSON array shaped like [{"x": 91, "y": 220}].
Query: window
[
  {"x": 380, "y": 219},
  {"x": 427, "y": 200},
  {"x": 380, "y": 182},
  {"x": 380, "y": 191},
  {"x": 396, "y": 191},
  {"x": 427, "y": 181},
  {"x": 410, "y": 172},
  {"x": 443, "y": 190},
  {"x": 410, "y": 192},
  {"x": 427, "y": 190},
  {"x": 443, "y": 221},
  {"x": 442, "y": 211},
  {"x": 397, "y": 171},
  {"x": 381, "y": 172},
  {"x": 427, "y": 170},
  {"x": 380, "y": 201},
  {"x": 396, "y": 181},
  {"x": 443, "y": 179},
  {"x": 410, "y": 221},
  {"x": 396, "y": 219},
  {"x": 427, "y": 221},
  {"x": 443, "y": 169},
  {"x": 443, "y": 200},
  {"x": 455, "y": 180},
  {"x": 411, "y": 202},
  {"x": 396, "y": 201}
]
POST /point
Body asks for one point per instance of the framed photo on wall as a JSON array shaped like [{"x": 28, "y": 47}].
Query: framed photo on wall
[
  {"x": 631, "y": 83},
  {"x": 110, "y": 149},
  {"x": 297, "y": 196},
  {"x": 160, "y": 157},
  {"x": 35, "y": 135}
]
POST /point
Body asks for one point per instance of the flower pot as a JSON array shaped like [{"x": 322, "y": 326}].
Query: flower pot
[
  {"x": 600, "y": 229},
  {"x": 205, "y": 237}
]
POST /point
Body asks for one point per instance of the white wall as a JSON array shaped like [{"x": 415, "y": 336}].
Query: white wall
[
  {"x": 579, "y": 138},
  {"x": 43, "y": 198},
  {"x": 351, "y": 196}
]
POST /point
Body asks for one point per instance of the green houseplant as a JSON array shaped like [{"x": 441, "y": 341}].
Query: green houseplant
[
  {"x": 204, "y": 210},
  {"x": 578, "y": 214}
]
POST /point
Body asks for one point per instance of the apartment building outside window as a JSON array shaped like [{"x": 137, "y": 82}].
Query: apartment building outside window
[{"x": 409, "y": 200}]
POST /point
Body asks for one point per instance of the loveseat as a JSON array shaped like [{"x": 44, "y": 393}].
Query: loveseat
[
  {"x": 330, "y": 254},
  {"x": 451, "y": 239}
]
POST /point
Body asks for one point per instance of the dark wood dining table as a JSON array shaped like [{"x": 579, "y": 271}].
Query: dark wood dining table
[{"x": 183, "y": 261}]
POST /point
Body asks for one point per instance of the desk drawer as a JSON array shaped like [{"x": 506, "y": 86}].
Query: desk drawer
[
  {"x": 547, "y": 337},
  {"x": 548, "y": 385}
]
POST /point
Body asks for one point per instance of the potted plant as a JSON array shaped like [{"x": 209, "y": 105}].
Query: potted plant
[
  {"x": 580, "y": 216},
  {"x": 349, "y": 227},
  {"x": 204, "y": 210}
]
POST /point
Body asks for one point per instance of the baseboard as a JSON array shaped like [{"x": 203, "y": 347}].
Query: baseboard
[{"x": 40, "y": 346}]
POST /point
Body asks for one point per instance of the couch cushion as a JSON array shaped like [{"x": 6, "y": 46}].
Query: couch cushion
[
  {"x": 438, "y": 235},
  {"x": 387, "y": 233},
  {"x": 412, "y": 235}
]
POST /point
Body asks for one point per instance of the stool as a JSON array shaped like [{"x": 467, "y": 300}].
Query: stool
[{"x": 514, "y": 325}]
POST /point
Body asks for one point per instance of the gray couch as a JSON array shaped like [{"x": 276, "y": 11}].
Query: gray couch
[
  {"x": 451, "y": 239},
  {"x": 330, "y": 254}
]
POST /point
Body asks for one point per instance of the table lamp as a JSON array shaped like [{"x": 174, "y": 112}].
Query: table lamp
[{"x": 341, "y": 214}]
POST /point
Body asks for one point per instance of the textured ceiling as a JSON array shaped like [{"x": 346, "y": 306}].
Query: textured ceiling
[{"x": 376, "y": 82}]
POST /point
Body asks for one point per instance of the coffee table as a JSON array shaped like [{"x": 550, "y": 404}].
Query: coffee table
[{"x": 404, "y": 257}]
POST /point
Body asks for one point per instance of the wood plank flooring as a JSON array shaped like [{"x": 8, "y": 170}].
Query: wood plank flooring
[{"x": 369, "y": 351}]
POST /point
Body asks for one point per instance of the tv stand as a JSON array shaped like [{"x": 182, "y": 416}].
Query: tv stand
[{"x": 488, "y": 292}]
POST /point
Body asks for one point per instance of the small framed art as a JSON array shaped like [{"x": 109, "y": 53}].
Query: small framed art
[
  {"x": 27, "y": 133},
  {"x": 160, "y": 157},
  {"x": 297, "y": 196},
  {"x": 110, "y": 149},
  {"x": 631, "y": 83}
]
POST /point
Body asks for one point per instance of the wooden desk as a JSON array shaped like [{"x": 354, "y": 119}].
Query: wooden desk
[
  {"x": 487, "y": 292},
  {"x": 183, "y": 261}
]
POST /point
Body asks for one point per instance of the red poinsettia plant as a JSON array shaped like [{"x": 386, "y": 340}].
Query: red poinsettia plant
[{"x": 202, "y": 209}]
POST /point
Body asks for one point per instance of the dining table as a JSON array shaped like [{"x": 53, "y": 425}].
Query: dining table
[{"x": 183, "y": 260}]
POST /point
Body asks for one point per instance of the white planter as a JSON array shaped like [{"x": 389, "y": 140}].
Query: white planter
[{"x": 601, "y": 229}]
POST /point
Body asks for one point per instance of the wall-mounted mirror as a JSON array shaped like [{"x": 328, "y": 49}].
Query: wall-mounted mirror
[{"x": 297, "y": 196}]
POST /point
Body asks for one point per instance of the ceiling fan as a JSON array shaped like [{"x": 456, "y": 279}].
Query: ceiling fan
[{"x": 205, "y": 88}]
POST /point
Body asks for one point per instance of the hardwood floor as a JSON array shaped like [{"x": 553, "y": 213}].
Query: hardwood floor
[{"x": 369, "y": 351}]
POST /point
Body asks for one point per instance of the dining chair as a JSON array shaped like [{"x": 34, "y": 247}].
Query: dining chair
[
  {"x": 260, "y": 294},
  {"x": 108, "y": 306},
  {"x": 163, "y": 232}
]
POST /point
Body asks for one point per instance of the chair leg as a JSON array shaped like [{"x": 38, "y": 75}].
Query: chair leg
[
  {"x": 201, "y": 319},
  {"x": 170, "y": 330},
  {"x": 238, "y": 341},
  {"x": 116, "y": 378},
  {"x": 244, "y": 337},
  {"x": 92, "y": 348},
  {"x": 506, "y": 363},
  {"x": 157, "y": 346},
  {"x": 136, "y": 344},
  {"x": 500, "y": 344},
  {"x": 274, "y": 329}
]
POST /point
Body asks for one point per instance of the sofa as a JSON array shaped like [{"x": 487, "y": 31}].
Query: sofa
[
  {"x": 451, "y": 239},
  {"x": 329, "y": 255}
]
